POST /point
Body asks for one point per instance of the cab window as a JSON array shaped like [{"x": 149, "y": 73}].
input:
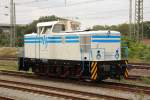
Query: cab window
[
  {"x": 40, "y": 29},
  {"x": 75, "y": 27},
  {"x": 58, "y": 28},
  {"x": 47, "y": 30}
]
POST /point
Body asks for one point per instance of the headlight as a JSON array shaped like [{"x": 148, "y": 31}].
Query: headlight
[
  {"x": 98, "y": 56},
  {"x": 117, "y": 54}
]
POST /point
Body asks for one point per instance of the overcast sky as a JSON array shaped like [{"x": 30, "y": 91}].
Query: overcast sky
[{"x": 89, "y": 12}]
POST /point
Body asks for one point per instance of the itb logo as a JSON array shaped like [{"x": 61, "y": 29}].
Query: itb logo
[{"x": 45, "y": 41}]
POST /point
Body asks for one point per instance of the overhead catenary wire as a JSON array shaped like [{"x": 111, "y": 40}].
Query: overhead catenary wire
[
  {"x": 35, "y": 3},
  {"x": 30, "y": 2},
  {"x": 68, "y": 4},
  {"x": 84, "y": 2}
]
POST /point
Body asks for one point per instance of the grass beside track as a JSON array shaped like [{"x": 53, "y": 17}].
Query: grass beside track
[
  {"x": 145, "y": 80},
  {"x": 8, "y": 65},
  {"x": 8, "y": 52}
]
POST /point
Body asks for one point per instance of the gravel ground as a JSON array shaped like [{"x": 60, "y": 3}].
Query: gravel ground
[
  {"x": 129, "y": 95},
  {"x": 53, "y": 91},
  {"x": 20, "y": 95}
]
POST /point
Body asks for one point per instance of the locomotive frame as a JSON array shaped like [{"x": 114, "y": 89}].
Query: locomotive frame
[{"x": 96, "y": 71}]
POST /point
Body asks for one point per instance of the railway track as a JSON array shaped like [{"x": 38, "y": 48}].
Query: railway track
[
  {"x": 5, "y": 98},
  {"x": 104, "y": 84},
  {"x": 31, "y": 75},
  {"x": 139, "y": 66},
  {"x": 132, "y": 77},
  {"x": 16, "y": 73},
  {"x": 128, "y": 87},
  {"x": 9, "y": 58},
  {"x": 55, "y": 91},
  {"x": 147, "y": 64}
]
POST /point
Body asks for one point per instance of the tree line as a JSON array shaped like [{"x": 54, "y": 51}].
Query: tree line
[
  {"x": 137, "y": 51},
  {"x": 31, "y": 27},
  {"x": 124, "y": 28}
]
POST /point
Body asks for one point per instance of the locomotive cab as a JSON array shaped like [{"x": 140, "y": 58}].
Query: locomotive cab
[{"x": 57, "y": 27}]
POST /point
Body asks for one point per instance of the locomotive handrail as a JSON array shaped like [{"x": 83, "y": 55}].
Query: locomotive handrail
[{"x": 126, "y": 49}]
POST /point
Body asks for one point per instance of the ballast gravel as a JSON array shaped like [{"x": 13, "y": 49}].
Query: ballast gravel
[
  {"x": 86, "y": 88},
  {"x": 22, "y": 95}
]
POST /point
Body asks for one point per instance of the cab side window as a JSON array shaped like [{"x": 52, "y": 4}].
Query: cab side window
[
  {"x": 40, "y": 29},
  {"x": 58, "y": 28},
  {"x": 47, "y": 30}
]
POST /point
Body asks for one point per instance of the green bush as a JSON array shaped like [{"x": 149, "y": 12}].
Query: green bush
[
  {"x": 138, "y": 52},
  {"x": 145, "y": 80}
]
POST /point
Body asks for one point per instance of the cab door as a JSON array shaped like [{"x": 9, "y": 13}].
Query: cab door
[
  {"x": 85, "y": 47},
  {"x": 43, "y": 42},
  {"x": 43, "y": 47}
]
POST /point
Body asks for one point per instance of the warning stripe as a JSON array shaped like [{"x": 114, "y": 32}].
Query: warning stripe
[
  {"x": 93, "y": 67},
  {"x": 126, "y": 76},
  {"x": 92, "y": 63},
  {"x": 94, "y": 73},
  {"x": 126, "y": 62},
  {"x": 95, "y": 76},
  {"x": 94, "y": 70},
  {"x": 126, "y": 70}
]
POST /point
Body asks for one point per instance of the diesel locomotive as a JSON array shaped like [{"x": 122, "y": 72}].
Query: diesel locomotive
[{"x": 60, "y": 49}]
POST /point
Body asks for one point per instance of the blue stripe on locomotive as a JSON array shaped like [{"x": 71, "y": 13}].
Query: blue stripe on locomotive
[
  {"x": 72, "y": 39},
  {"x": 98, "y": 36}
]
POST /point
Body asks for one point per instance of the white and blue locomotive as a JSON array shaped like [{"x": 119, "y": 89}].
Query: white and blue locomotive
[{"x": 59, "y": 50}]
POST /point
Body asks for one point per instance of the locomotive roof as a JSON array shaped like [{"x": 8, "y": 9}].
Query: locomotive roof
[
  {"x": 50, "y": 23},
  {"x": 47, "y": 23},
  {"x": 92, "y": 32},
  {"x": 101, "y": 32}
]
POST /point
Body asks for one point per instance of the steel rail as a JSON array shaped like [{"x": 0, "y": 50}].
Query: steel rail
[
  {"x": 128, "y": 87},
  {"x": 148, "y": 64},
  {"x": 104, "y": 84},
  {"x": 23, "y": 88},
  {"x": 5, "y": 98},
  {"x": 9, "y": 58}
]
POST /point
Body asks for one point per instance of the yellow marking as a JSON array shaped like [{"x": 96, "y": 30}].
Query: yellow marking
[
  {"x": 93, "y": 67},
  {"x": 126, "y": 75},
  {"x": 92, "y": 64},
  {"x": 92, "y": 76},
  {"x": 94, "y": 72},
  {"x": 126, "y": 62},
  {"x": 95, "y": 76},
  {"x": 127, "y": 71}
]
